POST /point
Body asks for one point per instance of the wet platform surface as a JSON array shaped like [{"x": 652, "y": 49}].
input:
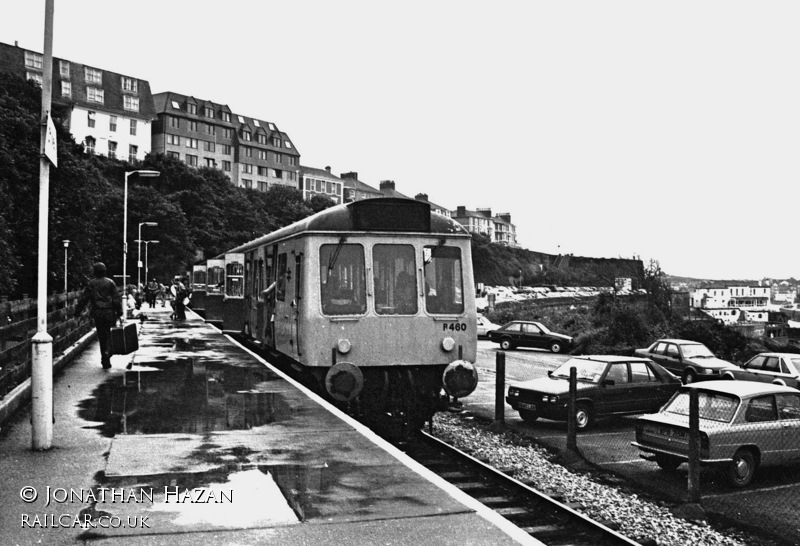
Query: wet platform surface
[{"x": 204, "y": 442}]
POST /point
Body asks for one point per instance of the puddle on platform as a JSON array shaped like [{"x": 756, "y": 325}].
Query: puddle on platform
[{"x": 186, "y": 396}]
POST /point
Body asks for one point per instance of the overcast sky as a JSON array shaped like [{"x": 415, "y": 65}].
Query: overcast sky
[{"x": 663, "y": 130}]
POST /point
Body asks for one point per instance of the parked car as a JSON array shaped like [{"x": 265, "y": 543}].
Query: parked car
[
  {"x": 778, "y": 368},
  {"x": 743, "y": 425},
  {"x": 522, "y": 333},
  {"x": 690, "y": 360},
  {"x": 606, "y": 385},
  {"x": 485, "y": 326}
]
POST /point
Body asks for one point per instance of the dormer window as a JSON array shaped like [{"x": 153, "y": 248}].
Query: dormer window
[
  {"x": 92, "y": 75},
  {"x": 276, "y": 142},
  {"x": 209, "y": 112},
  {"x": 130, "y": 85},
  {"x": 33, "y": 60},
  {"x": 226, "y": 116},
  {"x": 247, "y": 135},
  {"x": 191, "y": 108}
]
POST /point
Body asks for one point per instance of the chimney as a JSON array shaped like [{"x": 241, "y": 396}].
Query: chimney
[
  {"x": 485, "y": 212},
  {"x": 421, "y": 197},
  {"x": 505, "y": 216},
  {"x": 328, "y": 169},
  {"x": 387, "y": 184},
  {"x": 349, "y": 176},
  {"x": 461, "y": 212}
]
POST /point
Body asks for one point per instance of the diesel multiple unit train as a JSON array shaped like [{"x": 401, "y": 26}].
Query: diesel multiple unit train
[{"x": 371, "y": 302}]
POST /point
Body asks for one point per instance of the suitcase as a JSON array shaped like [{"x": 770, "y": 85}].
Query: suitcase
[{"x": 124, "y": 339}]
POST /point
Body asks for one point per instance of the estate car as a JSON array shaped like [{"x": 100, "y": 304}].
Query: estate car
[{"x": 778, "y": 368}]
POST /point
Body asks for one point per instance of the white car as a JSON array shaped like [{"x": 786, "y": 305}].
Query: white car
[{"x": 484, "y": 325}]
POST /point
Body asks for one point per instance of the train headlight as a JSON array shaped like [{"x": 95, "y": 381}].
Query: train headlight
[
  {"x": 460, "y": 378},
  {"x": 343, "y": 346},
  {"x": 344, "y": 381},
  {"x": 448, "y": 344}
]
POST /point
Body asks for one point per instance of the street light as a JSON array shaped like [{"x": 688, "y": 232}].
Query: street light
[
  {"x": 146, "y": 268},
  {"x": 66, "y": 245},
  {"x": 139, "y": 256},
  {"x": 146, "y": 174}
]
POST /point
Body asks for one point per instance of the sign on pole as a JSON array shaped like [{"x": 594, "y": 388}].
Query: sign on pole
[{"x": 50, "y": 146}]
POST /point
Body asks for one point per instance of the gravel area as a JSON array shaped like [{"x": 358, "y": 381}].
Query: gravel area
[{"x": 644, "y": 521}]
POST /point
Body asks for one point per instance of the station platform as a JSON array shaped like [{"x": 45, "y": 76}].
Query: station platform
[{"x": 201, "y": 441}]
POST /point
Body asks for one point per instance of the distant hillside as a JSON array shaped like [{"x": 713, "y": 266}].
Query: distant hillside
[{"x": 495, "y": 264}]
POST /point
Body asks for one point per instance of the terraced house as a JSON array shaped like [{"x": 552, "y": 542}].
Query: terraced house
[
  {"x": 110, "y": 113},
  {"x": 252, "y": 152}
]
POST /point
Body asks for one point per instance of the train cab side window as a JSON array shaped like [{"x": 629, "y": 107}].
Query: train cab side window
[
  {"x": 216, "y": 279},
  {"x": 444, "y": 290},
  {"x": 342, "y": 279},
  {"x": 280, "y": 287},
  {"x": 394, "y": 267},
  {"x": 234, "y": 287}
]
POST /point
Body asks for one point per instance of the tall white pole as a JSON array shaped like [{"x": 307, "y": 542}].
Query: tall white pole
[
  {"x": 42, "y": 342},
  {"x": 139, "y": 259},
  {"x": 66, "y": 247},
  {"x": 125, "y": 239}
]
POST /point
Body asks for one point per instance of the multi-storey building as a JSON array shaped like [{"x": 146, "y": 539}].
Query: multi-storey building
[
  {"x": 321, "y": 182},
  {"x": 252, "y": 152},
  {"x": 498, "y": 228},
  {"x": 356, "y": 190},
  {"x": 109, "y": 113},
  {"x": 744, "y": 297}
]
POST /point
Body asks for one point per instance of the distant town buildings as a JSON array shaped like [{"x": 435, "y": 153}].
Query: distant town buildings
[{"x": 116, "y": 115}]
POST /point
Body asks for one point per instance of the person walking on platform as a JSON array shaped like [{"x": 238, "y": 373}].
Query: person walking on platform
[
  {"x": 178, "y": 292},
  {"x": 151, "y": 291},
  {"x": 105, "y": 307}
]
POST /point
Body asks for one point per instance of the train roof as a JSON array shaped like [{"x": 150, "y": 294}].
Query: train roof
[{"x": 381, "y": 214}]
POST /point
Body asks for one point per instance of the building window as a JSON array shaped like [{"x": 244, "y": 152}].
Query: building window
[
  {"x": 209, "y": 146},
  {"x": 247, "y": 183},
  {"x": 262, "y": 171},
  {"x": 33, "y": 60},
  {"x": 175, "y": 105},
  {"x": 277, "y": 173},
  {"x": 248, "y": 152},
  {"x": 247, "y": 136},
  {"x": 90, "y": 118},
  {"x": 63, "y": 67},
  {"x": 191, "y": 143},
  {"x": 278, "y": 158},
  {"x": 34, "y": 77},
  {"x": 262, "y": 154},
  {"x": 226, "y": 166},
  {"x": 226, "y": 116},
  {"x": 288, "y": 145},
  {"x": 131, "y": 103},
  {"x": 176, "y": 155},
  {"x": 132, "y": 152},
  {"x": 193, "y": 126},
  {"x": 112, "y": 149},
  {"x": 247, "y": 168},
  {"x": 112, "y": 123},
  {"x": 291, "y": 175},
  {"x": 241, "y": 119},
  {"x": 263, "y": 186},
  {"x": 209, "y": 112},
  {"x": 94, "y": 94},
  {"x": 90, "y": 142},
  {"x": 262, "y": 138},
  {"x": 292, "y": 160},
  {"x": 191, "y": 108},
  {"x": 226, "y": 149},
  {"x": 191, "y": 160},
  {"x": 133, "y": 127},
  {"x": 129, "y": 84},
  {"x": 211, "y": 129},
  {"x": 174, "y": 122},
  {"x": 92, "y": 75},
  {"x": 173, "y": 139},
  {"x": 210, "y": 162},
  {"x": 227, "y": 133},
  {"x": 66, "y": 89},
  {"x": 276, "y": 142}
]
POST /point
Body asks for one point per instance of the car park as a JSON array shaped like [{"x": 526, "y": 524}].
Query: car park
[
  {"x": 523, "y": 333},
  {"x": 778, "y": 368},
  {"x": 742, "y": 425},
  {"x": 606, "y": 385},
  {"x": 690, "y": 360},
  {"x": 485, "y": 326}
]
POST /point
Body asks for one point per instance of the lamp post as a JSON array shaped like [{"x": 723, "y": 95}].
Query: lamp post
[
  {"x": 66, "y": 246},
  {"x": 146, "y": 174},
  {"x": 139, "y": 256},
  {"x": 146, "y": 268}
]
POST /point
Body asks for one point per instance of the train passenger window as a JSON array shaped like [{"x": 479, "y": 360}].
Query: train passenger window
[
  {"x": 342, "y": 279},
  {"x": 444, "y": 290},
  {"x": 234, "y": 288},
  {"x": 280, "y": 287},
  {"x": 393, "y": 268}
]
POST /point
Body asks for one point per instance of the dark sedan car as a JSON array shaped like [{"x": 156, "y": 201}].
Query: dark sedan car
[
  {"x": 522, "y": 333},
  {"x": 606, "y": 385},
  {"x": 690, "y": 360}
]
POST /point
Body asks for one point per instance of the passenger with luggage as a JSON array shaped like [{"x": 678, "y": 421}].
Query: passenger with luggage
[{"x": 105, "y": 305}]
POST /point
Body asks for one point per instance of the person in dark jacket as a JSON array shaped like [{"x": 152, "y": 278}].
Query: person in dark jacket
[{"x": 105, "y": 306}]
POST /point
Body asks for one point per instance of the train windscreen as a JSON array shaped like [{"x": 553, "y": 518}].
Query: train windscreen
[
  {"x": 444, "y": 290},
  {"x": 342, "y": 279}
]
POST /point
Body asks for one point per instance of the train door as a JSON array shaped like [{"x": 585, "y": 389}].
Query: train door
[
  {"x": 270, "y": 296},
  {"x": 298, "y": 294}
]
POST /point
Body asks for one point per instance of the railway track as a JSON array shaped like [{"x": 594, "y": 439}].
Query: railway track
[{"x": 542, "y": 517}]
